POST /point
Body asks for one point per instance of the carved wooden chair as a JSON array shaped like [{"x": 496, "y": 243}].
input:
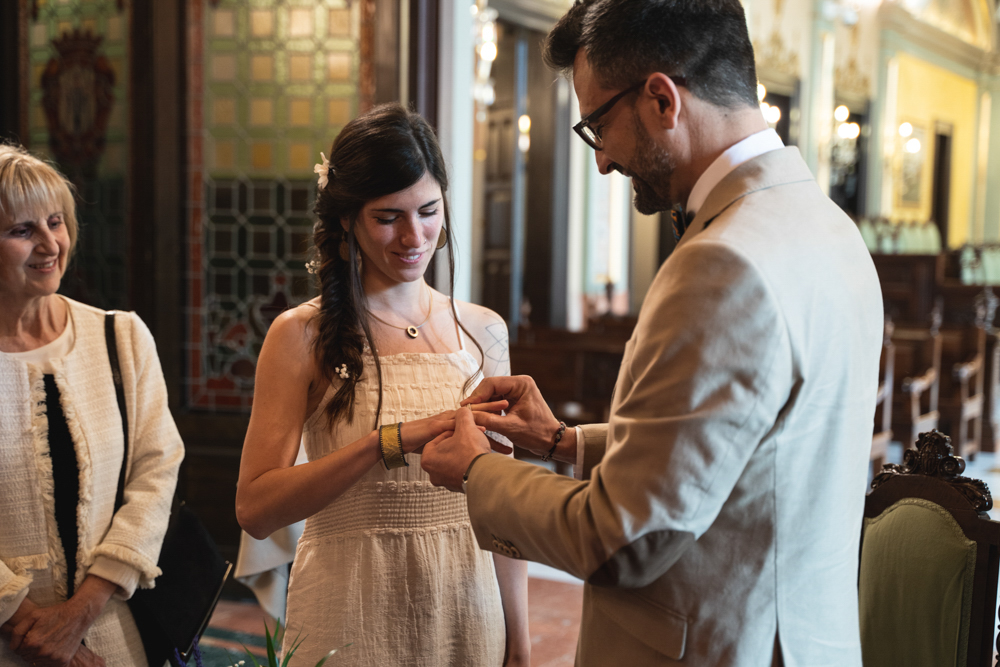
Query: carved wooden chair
[
  {"x": 930, "y": 559},
  {"x": 917, "y": 367},
  {"x": 883, "y": 402}
]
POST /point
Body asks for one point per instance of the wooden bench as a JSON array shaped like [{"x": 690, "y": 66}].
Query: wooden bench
[
  {"x": 962, "y": 382},
  {"x": 971, "y": 357},
  {"x": 917, "y": 360}
]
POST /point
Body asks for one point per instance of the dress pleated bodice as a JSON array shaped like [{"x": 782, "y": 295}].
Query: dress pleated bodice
[{"x": 392, "y": 567}]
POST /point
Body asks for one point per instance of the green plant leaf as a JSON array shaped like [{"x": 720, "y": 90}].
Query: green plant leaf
[
  {"x": 328, "y": 655},
  {"x": 291, "y": 652},
  {"x": 276, "y": 639},
  {"x": 252, "y": 657},
  {"x": 279, "y": 632},
  {"x": 272, "y": 658},
  {"x": 232, "y": 660},
  {"x": 296, "y": 643}
]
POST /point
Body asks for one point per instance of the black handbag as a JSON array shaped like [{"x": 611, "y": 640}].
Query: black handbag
[{"x": 172, "y": 616}]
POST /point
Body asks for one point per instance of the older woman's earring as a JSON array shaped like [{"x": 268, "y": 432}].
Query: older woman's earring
[{"x": 442, "y": 239}]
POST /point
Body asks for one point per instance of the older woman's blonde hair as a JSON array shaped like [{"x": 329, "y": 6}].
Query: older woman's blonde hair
[{"x": 29, "y": 185}]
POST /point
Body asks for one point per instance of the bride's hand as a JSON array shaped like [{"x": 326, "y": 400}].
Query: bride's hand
[{"x": 415, "y": 434}]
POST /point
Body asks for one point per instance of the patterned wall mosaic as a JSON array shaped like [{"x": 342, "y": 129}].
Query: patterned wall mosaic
[
  {"x": 271, "y": 85},
  {"x": 91, "y": 139}
]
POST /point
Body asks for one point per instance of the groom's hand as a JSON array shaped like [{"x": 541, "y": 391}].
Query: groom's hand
[
  {"x": 528, "y": 423},
  {"x": 447, "y": 457}
]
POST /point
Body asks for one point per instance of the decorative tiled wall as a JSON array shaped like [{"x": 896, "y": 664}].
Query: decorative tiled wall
[
  {"x": 270, "y": 84},
  {"x": 98, "y": 274}
]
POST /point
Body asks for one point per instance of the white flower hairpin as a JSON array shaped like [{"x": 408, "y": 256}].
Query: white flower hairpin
[
  {"x": 323, "y": 171},
  {"x": 342, "y": 372}
]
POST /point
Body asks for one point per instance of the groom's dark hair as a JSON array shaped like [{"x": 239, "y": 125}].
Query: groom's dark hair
[{"x": 705, "y": 41}]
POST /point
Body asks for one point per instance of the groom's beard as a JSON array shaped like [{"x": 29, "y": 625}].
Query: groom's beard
[{"x": 651, "y": 170}]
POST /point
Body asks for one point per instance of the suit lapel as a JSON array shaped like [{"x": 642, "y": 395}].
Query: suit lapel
[{"x": 774, "y": 168}]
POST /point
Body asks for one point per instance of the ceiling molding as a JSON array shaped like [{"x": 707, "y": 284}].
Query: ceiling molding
[{"x": 949, "y": 47}]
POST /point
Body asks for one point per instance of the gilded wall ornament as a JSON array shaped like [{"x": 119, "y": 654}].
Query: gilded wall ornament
[
  {"x": 774, "y": 56},
  {"x": 851, "y": 80}
]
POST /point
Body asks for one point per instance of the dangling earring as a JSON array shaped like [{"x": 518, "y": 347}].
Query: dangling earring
[
  {"x": 442, "y": 238},
  {"x": 345, "y": 251}
]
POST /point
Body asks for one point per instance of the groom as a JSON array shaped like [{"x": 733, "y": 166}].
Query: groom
[{"x": 718, "y": 518}]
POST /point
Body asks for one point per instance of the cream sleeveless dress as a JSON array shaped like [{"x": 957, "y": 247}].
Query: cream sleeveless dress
[{"x": 392, "y": 567}]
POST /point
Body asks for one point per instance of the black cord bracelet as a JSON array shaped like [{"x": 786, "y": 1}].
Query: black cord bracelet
[
  {"x": 465, "y": 478},
  {"x": 559, "y": 436}
]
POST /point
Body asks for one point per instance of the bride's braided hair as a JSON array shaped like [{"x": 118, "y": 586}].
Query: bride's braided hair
[{"x": 382, "y": 151}]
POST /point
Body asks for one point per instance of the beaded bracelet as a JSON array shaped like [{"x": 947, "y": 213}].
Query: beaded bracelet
[
  {"x": 559, "y": 436},
  {"x": 390, "y": 443}
]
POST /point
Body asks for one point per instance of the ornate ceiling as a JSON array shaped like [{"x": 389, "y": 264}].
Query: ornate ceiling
[{"x": 969, "y": 20}]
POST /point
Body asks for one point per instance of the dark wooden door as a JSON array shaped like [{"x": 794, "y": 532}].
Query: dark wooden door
[
  {"x": 941, "y": 194},
  {"x": 498, "y": 203}
]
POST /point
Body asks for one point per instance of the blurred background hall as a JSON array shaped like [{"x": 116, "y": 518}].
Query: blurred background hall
[{"x": 191, "y": 127}]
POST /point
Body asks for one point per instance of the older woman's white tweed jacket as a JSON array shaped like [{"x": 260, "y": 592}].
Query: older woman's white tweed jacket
[{"x": 122, "y": 547}]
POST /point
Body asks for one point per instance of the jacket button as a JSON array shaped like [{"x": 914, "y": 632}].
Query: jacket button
[{"x": 514, "y": 553}]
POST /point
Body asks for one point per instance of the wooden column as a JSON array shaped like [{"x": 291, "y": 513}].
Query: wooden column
[
  {"x": 423, "y": 58},
  {"x": 156, "y": 187},
  {"x": 12, "y": 63}
]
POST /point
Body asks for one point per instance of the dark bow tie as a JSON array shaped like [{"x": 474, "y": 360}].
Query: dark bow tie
[{"x": 680, "y": 221}]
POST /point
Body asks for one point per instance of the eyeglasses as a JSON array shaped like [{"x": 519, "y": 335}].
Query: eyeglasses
[{"x": 587, "y": 127}]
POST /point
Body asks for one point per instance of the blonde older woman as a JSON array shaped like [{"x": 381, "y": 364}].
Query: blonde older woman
[{"x": 68, "y": 561}]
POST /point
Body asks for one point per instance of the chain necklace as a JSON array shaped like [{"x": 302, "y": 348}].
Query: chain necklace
[{"x": 410, "y": 330}]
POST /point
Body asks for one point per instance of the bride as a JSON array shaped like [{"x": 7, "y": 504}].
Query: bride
[{"x": 365, "y": 374}]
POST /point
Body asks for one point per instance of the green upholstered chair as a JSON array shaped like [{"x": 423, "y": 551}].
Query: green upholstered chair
[{"x": 930, "y": 556}]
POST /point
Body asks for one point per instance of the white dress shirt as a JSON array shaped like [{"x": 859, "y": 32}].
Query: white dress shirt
[{"x": 743, "y": 151}]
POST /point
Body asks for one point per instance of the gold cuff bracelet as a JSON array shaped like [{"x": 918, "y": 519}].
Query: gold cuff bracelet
[{"x": 390, "y": 443}]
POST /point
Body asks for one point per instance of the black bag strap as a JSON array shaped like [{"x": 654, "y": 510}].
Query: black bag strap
[{"x": 116, "y": 375}]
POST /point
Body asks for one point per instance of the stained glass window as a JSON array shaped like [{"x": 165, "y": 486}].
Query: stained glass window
[
  {"x": 57, "y": 31},
  {"x": 271, "y": 84}
]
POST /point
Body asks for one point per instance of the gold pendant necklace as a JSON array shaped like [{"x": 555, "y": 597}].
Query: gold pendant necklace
[{"x": 410, "y": 330}]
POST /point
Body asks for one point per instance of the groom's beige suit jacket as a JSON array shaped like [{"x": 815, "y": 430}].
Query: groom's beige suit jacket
[{"x": 720, "y": 522}]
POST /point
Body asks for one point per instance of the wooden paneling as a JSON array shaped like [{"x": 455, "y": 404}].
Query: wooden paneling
[
  {"x": 575, "y": 372},
  {"x": 909, "y": 285}
]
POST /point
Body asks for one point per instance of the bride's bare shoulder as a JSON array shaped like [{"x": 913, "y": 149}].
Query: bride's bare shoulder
[
  {"x": 486, "y": 325},
  {"x": 296, "y": 326}
]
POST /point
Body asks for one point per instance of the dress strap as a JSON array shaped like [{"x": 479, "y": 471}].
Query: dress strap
[{"x": 458, "y": 329}]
